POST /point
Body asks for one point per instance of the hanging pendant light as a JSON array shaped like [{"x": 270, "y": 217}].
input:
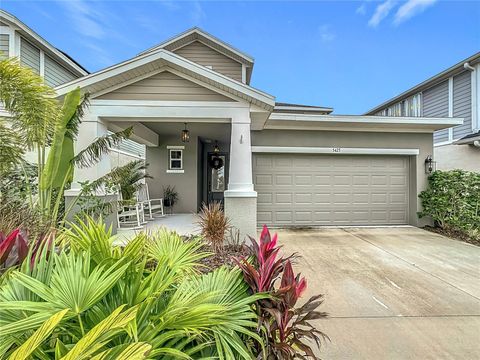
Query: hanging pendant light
[{"x": 185, "y": 134}]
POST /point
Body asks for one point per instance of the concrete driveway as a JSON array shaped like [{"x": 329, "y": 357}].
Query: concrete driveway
[{"x": 392, "y": 293}]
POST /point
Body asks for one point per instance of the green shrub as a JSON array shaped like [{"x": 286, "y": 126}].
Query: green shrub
[
  {"x": 93, "y": 299},
  {"x": 452, "y": 200}
]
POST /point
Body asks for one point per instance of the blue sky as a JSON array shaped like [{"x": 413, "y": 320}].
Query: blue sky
[{"x": 350, "y": 55}]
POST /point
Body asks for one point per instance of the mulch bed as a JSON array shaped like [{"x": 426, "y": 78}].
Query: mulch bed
[
  {"x": 225, "y": 257},
  {"x": 454, "y": 234}
]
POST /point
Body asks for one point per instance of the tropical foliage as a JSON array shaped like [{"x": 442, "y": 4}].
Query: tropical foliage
[
  {"x": 39, "y": 123},
  {"x": 213, "y": 224},
  {"x": 452, "y": 200},
  {"x": 97, "y": 300},
  {"x": 289, "y": 333}
]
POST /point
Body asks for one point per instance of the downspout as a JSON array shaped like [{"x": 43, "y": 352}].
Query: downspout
[
  {"x": 468, "y": 67},
  {"x": 476, "y": 143}
]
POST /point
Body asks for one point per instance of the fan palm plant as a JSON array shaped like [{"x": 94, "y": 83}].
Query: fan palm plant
[{"x": 98, "y": 301}]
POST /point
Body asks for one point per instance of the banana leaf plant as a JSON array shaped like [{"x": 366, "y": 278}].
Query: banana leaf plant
[{"x": 40, "y": 123}]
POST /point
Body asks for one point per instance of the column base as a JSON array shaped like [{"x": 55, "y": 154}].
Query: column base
[{"x": 242, "y": 212}]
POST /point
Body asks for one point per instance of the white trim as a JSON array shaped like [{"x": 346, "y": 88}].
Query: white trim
[
  {"x": 175, "y": 170},
  {"x": 38, "y": 40},
  {"x": 332, "y": 150},
  {"x": 304, "y": 108},
  {"x": 292, "y": 121},
  {"x": 42, "y": 63},
  {"x": 126, "y": 153},
  {"x": 175, "y": 147},
  {"x": 239, "y": 194},
  {"x": 170, "y": 171},
  {"x": 475, "y": 84},
  {"x": 244, "y": 74},
  {"x": 168, "y": 103},
  {"x": 450, "y": 105},
  {"x": 205, "y": 35}
]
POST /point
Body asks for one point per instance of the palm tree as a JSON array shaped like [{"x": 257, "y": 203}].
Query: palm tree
[{"x": 38, "y": 121}]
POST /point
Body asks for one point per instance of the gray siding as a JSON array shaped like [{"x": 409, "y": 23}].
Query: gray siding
[
  {"x": 164, "y": 86},
  {"x": 435, "y": 104},
  {"x": 29, "y": 55},
  {"x": 462, "y": 104},
  {"x": 4, "y": 39},
  {"x": 55, "y": 74},
  {"x": 206, "y": 56}
]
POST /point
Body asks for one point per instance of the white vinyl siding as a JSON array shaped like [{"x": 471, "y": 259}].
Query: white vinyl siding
[
  {"x": 462, "y": 104},
  {"x": 4, "y": 42},
  {"x": 206, "y": 56},
  {"x": 29, "y": 55},
  {"x": 55, "y": 74},
  {"x": 435, "y": 104}
]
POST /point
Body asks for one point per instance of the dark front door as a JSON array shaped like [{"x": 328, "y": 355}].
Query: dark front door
[{"x": 217, "y": 178}]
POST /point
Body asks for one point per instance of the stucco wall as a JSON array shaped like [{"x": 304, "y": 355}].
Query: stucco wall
[
  {"x": 185, "y": 184},
  {"x": 465, "y": 157},
  {"x": 423, "y": 142}
]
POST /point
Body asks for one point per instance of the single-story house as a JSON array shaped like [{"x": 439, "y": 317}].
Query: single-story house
[{"x": 283, "y": 164}]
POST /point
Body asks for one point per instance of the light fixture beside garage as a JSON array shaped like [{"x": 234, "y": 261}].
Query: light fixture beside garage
[
  {"x": 430, "y": 165},
  {"x": 185, "y": 134}
]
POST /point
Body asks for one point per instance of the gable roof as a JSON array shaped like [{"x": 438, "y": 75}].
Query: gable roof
[
  {"x": 442, "y": 76},
  {"x": 51, "y": 50},
  {"x": 196, "y": 34},
  {"x": 151, "y": 62}
]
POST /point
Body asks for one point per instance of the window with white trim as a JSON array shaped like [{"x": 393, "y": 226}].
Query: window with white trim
[{"x": 175, "y": 159}]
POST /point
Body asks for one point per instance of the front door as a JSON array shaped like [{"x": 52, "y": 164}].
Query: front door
[{"x": 217, "y": 177}]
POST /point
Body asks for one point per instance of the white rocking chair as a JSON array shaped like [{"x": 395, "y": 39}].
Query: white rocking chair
[
  {"x": 150, "y": 206},
  {"x": 129, "y": 216}
]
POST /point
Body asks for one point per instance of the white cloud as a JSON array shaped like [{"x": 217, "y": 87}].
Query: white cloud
[
  {"x": 362, "y": 9},
  {"x": 197, "y": 14},
  {"x": 85, "y": 18},
  {"x": 410, "y": 9},
  {"x": 381, "y": 12},
  {"x": 326, "y": 34}
]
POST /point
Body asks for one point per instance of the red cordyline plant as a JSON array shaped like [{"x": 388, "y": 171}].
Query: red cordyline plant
[
  {"x": 13, "y": 248},
  {"x": 287, "y": 330}
]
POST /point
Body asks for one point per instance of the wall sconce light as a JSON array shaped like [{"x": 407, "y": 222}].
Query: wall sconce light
[
  {"x": 185, "y": 134},
  {"x": 430, "y": 165},
  {"x": 216, "y": 148}
]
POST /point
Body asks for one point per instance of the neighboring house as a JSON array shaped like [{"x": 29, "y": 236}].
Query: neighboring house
[
  {"x": 55, "y": 66},
  {"x": 454, "y": 92},
  {"x": 284, "y": 164}
]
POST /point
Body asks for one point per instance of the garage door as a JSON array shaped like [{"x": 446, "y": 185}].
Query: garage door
[{"x": 313, "y": 190}]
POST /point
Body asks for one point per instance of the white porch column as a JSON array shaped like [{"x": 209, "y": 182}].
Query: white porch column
[
  {"x": 91, "y": 128},
  {"x": 240, "y": 198}
]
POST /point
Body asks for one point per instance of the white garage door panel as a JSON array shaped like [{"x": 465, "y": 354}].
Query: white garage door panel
[{"x": 309, "y": 190}]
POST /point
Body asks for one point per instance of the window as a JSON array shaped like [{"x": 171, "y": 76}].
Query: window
[{"x": 175, "y": 159}]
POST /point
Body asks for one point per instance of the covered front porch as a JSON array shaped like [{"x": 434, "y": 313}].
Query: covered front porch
[{"x": 183, "y": 224}]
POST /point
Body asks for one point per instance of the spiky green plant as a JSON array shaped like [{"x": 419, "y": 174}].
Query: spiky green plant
[{"x": 95, "y": 300}]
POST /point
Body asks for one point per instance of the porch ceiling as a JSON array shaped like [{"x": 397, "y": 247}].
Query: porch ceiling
[{"x": 219, "y": 132}]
